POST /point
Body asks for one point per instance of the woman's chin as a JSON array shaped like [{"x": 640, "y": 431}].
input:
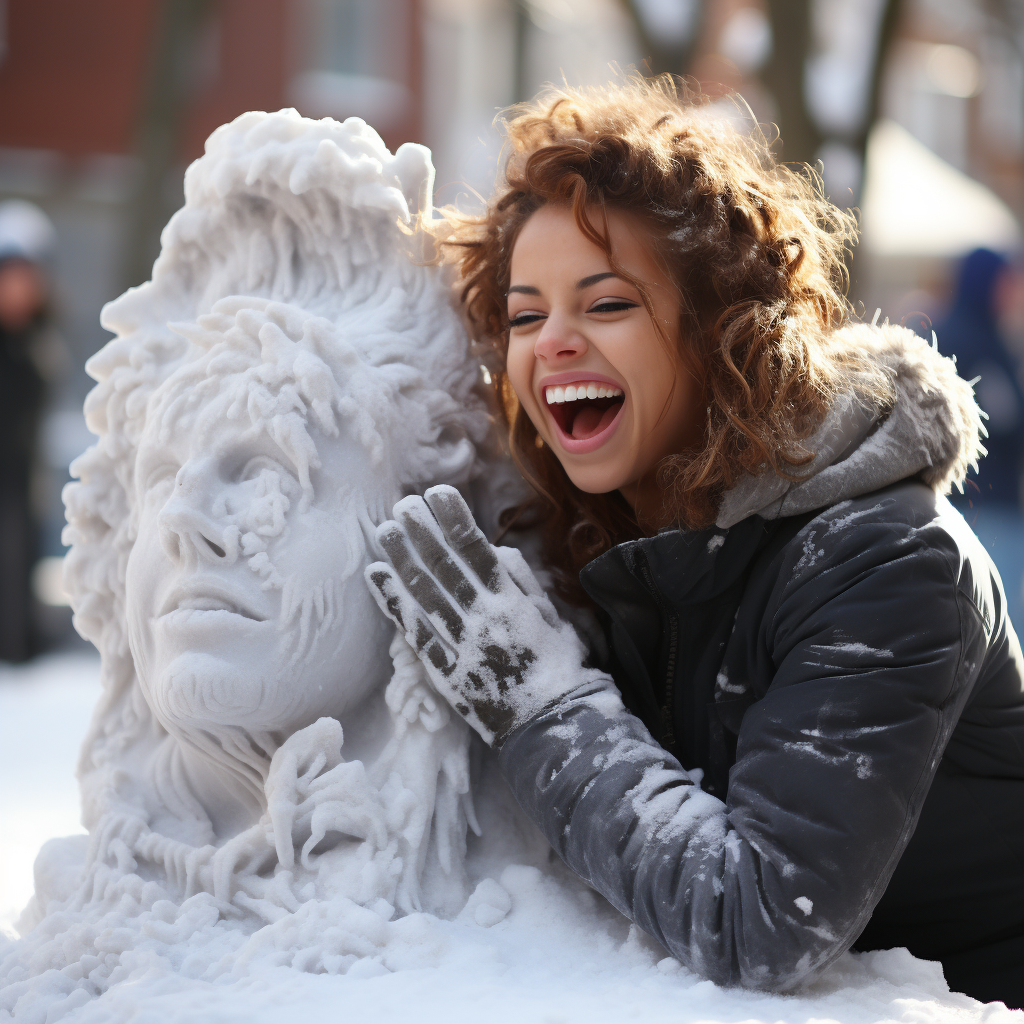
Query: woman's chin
[{"x": 596, "y": 482}]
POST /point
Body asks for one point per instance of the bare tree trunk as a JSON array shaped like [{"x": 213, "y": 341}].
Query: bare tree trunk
[
  {"x": 886, "y": 31},
  {"x": 1009, "y": 14},
  {"x": 659, "y": 57},
  {"x": 156, "y": 146},
  {"x": 784, "y": 76},
  {"x": 521, "y": 50},
  {"x": 801, "y": 138}
]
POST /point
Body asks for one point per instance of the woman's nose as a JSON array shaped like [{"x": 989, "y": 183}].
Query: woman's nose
[{"x": 559, "y": 340}]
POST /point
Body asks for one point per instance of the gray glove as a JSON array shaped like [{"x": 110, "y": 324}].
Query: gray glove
[{"x": 490, "y": 640}]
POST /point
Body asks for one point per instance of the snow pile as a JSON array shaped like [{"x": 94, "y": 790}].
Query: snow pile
[{"x": 44, "y": 709}]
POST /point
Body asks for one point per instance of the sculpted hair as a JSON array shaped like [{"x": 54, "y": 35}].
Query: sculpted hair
[{"x": 755, "y": 251}]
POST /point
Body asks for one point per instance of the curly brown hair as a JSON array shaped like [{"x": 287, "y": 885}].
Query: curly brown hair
[{"x": 756, "y": 252}]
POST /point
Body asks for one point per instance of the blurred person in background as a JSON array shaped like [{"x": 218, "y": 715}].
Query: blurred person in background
[
  {"x": 1010, "y": 308},
  {"x": 972, "y": 331},
  {"x": 26, "y": 362}
]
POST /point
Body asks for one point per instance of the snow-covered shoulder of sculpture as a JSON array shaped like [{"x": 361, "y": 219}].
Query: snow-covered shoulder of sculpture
[{"x": 268, "y": 763}]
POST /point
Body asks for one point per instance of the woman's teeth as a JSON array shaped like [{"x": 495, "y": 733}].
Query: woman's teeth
[
  {"x": 582, "y": 411},
  {"x": 572, "y": 392}
]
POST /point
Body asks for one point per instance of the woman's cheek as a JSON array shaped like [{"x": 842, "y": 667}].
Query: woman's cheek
[{"x": 519, "y": 367}]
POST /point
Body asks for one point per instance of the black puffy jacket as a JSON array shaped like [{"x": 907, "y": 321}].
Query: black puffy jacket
[{"x": 843, "y": 695}]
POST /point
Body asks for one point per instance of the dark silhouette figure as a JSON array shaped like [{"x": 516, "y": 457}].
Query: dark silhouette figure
[
  {"x": 991, "y": 502},
  {"x": 24, "y": 235}
]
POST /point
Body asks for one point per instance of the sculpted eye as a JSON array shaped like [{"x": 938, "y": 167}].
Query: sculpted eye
[
  {"x": 259, "y": 464},
  {"x": 158, "y": 475},
  {"x": 252, "y": 469}
]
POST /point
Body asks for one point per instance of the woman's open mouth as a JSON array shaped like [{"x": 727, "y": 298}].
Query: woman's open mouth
[{"x": 585, "y": 413}]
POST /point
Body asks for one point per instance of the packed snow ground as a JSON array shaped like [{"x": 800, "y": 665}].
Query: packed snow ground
[
  {"x": 558, "y": 957},
  {"x": 44, "y": 711}
]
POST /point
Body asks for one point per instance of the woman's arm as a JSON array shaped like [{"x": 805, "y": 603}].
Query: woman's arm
[{"x": 873, "y": 650}]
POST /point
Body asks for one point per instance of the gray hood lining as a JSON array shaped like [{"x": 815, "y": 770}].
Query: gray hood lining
[{"x": 933, "y": 430}]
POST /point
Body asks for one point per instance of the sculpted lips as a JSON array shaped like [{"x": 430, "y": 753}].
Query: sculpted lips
[
  {"x": 207, "y": 597},
  {"x": 584, "y": 407}
]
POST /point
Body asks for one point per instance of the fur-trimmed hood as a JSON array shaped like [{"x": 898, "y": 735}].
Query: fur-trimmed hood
[{"x": 933, "y": 431}]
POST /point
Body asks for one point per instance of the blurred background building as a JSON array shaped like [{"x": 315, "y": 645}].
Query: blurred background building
[{"x": 914, "y": 109}]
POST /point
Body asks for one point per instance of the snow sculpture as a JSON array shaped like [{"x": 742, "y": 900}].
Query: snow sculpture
[{"x": 267, "y": 767}]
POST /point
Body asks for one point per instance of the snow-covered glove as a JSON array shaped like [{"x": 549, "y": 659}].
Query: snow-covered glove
[{"x": 490, "y": 640}]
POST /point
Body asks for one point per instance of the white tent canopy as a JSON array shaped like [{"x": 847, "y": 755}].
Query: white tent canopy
[{"x": 916, "y": 204}]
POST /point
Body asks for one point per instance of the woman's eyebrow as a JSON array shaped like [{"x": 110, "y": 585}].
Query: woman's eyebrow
[
  {"x": 528, "y": 289},
  {"x": 593, "y": 279}
]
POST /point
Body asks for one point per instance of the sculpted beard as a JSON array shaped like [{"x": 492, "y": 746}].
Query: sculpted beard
[{"x": 198, "y": 689}]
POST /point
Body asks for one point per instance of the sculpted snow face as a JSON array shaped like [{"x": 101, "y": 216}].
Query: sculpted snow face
[
  {"x": 235, "y": 561},
  {"x": 247, "y": 617},
  {"x": 242, "y": 596},
  {"x": 268, "y": 755}
]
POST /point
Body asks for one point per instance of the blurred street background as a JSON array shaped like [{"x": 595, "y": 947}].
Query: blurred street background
[{"x": 912, "y": 109}]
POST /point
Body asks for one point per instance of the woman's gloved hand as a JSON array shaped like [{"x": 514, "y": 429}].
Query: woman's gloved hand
[{"x": 491, "y": 641}]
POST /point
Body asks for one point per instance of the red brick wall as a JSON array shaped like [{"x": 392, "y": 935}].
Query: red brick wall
[
  {"x": 74, "y": 76},
  {"x": 75, "y": 72},
  {"x": 70, "y": 77},
  {"x": 255, "y": 48}
]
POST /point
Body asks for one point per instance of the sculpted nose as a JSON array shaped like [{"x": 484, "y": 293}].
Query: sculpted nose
[{"x": 189, "y": 534}]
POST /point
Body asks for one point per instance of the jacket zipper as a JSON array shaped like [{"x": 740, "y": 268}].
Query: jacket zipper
[{"x": 668, "y": 739}]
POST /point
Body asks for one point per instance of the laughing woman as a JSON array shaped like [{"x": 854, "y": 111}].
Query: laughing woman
[{"x": 814, "y": 740}]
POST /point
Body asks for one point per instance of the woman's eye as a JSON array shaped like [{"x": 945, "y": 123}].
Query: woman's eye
[
  {"x": 612, "y": 306},
  {"x": 522, "y": 319}
]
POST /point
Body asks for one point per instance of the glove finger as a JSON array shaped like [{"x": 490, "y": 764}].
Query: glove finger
[
  {"x": 418, "y": 581},
  {"x": 522, "y": 575},
  {"x": 422, "y": 529},
  {"x": 517, "y": 567},
  {"x": 396, "y": 603},
  {"x": 464, "y": 536},
  {"x": 390, "y": 596}
]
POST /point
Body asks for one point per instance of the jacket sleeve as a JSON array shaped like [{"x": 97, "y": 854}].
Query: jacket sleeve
[{"x": 871, "y": 647}]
